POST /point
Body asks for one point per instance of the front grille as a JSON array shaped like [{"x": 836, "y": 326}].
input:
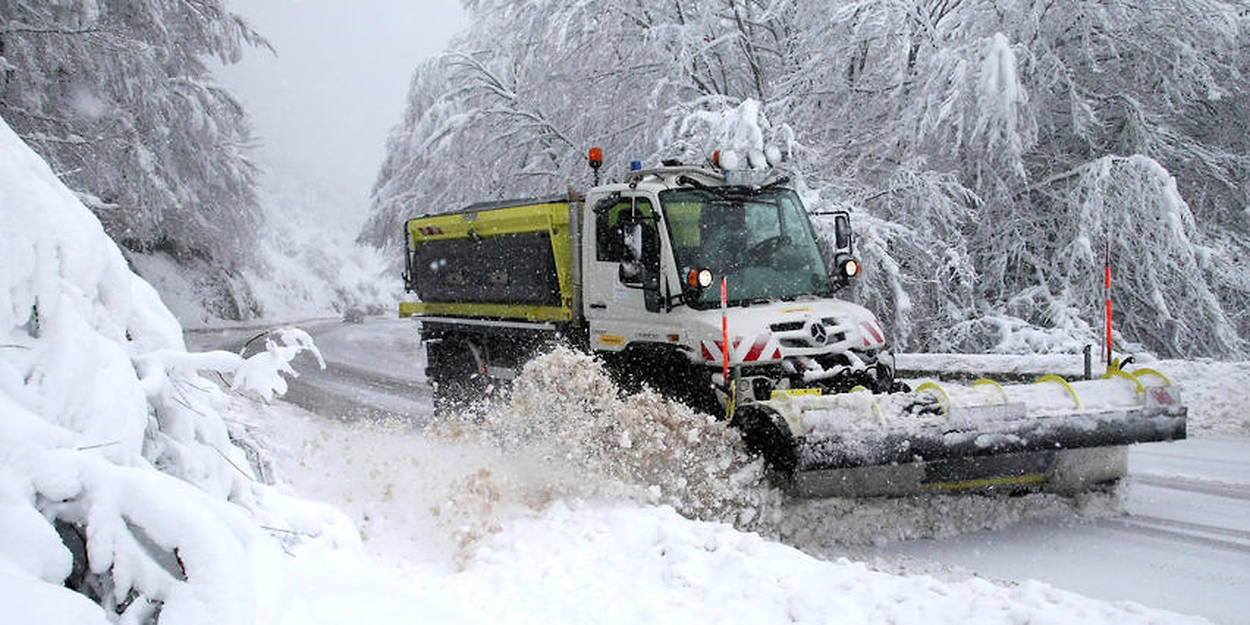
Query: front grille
[{"x": 788, "y": 326}]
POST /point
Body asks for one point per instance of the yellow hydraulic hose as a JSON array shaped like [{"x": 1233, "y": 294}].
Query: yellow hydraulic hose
[
  {"x": 938, "y": 393},
  {"x": 1120, "y": 373},
  {"x": 1058, "y": 380},
  {"x": 988, "y": 382},
  {"x": 1151, "y": 372}
]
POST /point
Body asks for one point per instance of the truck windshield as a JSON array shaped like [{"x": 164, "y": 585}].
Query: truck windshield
[{"x": 761, "y": 241}]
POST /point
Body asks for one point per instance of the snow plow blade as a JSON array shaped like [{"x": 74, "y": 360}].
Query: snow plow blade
[{"x": 856, "y": 446}]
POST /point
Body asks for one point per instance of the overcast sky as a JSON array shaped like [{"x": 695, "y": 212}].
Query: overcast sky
[{"x": 324, "y": 105}]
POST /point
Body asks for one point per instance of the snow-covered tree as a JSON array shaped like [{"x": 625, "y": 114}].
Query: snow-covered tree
[
  {"x": 516, "y": 117},
  {"x": 118, "y": 97},
  {"x": 990, "y": 148}
]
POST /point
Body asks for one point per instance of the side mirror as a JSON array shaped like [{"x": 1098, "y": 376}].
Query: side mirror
[
  {"x": 842, "y": 232},
  {"x": 844, "y": 266}
]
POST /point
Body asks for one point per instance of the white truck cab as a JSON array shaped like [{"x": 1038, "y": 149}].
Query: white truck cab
[{"x": 657, "y": 248}]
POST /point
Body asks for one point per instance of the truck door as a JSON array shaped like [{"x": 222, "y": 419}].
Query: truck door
[{"x": 623, "y": 273}]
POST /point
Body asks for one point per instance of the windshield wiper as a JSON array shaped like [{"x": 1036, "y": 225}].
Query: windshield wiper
[
  {"x": 776, "y": 183},
  {"x": 688, "y": 181}
]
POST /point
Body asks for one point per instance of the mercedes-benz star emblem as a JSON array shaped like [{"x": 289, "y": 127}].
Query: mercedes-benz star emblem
[{"x": 819, "y": 336}]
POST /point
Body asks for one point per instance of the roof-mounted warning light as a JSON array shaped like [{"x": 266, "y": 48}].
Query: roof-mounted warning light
[{"x": 596, "y": 161}]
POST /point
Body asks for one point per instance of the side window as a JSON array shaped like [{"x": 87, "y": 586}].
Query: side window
[
  {"x": 610, "y": 228},
  {"x": 609, "y": 240}
]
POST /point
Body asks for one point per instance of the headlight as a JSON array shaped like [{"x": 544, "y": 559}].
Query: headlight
[
  {"x": 699, "y": 278},
  {"x": 850, "y": 267}
]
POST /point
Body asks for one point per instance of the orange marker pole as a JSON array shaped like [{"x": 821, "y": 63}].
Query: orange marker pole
[
  {"x": 724, "y": 326},
  {"x": 1107, "y": 293}
]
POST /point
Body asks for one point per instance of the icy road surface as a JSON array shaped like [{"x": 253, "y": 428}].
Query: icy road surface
[{"x": 1181, "y": 543}]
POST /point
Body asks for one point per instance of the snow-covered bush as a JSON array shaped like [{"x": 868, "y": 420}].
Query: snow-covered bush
[{"x": 120, "y": 476}]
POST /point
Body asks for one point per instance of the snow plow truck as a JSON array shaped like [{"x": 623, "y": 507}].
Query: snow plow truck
[{"x": 712, "y": 286}]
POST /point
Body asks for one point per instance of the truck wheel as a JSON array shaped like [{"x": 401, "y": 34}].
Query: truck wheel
[
  {"x": 453, "y": 373},
  {"x": 766, "y": 434}
]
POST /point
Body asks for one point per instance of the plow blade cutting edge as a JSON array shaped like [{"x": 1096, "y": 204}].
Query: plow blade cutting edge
[{"x": 861, "y": 445}]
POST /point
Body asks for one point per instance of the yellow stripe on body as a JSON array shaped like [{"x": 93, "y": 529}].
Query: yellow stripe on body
[
  {"x": 523, "y": 312},
  {"x": 1031, "y": 479},
  {"x": 795, "y": 392},
  {"x": 491, "y": 222}
]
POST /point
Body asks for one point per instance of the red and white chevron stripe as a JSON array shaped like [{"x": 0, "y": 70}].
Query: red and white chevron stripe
[
  {"x": 764, "y": 347},
  {"x": 873, "y": 335}
]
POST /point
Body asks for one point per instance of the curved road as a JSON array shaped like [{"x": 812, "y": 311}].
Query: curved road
[
  {"x": 374, "y": 370},
  {"x": 1182, "y": 543}
]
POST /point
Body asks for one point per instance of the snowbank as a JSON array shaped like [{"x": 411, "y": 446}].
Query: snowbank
[
  {"x": 125, "y": 474},
  {"x": 650, "y": 565}
]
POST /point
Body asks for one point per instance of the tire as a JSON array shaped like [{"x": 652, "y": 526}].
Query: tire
[
  {"x": 452, "y": 372},
  {"x": 766, "y": 434}
]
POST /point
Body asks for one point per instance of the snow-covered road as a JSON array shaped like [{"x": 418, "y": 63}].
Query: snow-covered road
[
  {"x": 1182, "y": 544},
  {"x": 1181, "y": 541}
]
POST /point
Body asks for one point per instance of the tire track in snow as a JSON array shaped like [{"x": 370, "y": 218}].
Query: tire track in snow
[
  {"x": 347, "y": 393},
  {"x": 1181, "y": 531},
  {"x": 1233, "y": 533},
  {"x": 1221, "y": 537},
  {"x": 1206, "y": 487}
]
